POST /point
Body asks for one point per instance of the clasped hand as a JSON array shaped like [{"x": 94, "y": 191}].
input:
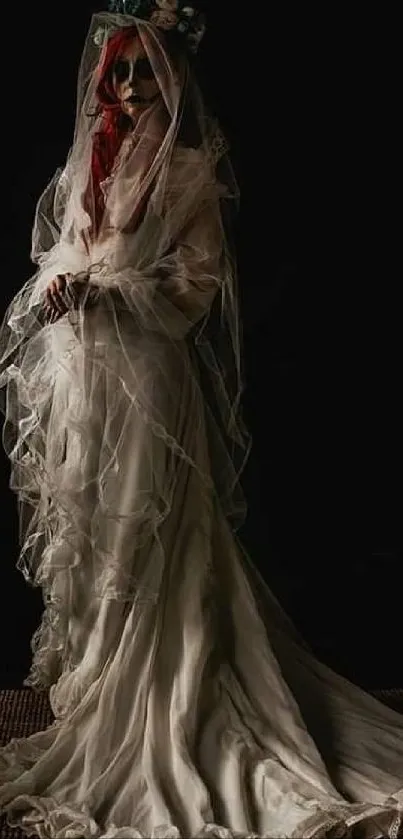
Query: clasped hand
[{"x": 65, "y": 292}]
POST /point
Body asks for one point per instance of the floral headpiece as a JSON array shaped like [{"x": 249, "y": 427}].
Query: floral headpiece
[{"x": 169, "y": 15}]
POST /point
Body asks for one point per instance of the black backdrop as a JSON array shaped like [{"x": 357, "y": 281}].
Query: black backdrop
[{"x": 264, "y": 78}]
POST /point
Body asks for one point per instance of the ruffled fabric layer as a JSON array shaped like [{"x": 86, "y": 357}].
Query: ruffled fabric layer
[{"x": 184, "y": 719}]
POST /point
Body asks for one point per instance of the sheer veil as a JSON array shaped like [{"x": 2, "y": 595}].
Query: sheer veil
[
  {"x": 182, "y": 693},
  {"x": 161, "y": 266}
]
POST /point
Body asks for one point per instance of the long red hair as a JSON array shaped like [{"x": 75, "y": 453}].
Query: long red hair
[{"x": 108, "y": 139}]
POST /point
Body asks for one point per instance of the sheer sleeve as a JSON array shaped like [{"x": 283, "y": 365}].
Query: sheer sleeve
[
  {"x": 173, "y": 292},
  {"x": 191, "y": 275}
]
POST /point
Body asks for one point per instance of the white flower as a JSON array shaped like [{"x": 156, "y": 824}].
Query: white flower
[
  {"x": 164, "y": 19},
  {"x": 99, "y": 36},
  {"x": 167, "y": 5}
]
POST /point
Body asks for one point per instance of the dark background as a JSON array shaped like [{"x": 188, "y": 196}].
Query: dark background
[{"x": 266, "y": 80}]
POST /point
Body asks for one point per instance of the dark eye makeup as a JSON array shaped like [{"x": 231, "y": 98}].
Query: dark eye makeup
[{"x": 142, "y": 69}]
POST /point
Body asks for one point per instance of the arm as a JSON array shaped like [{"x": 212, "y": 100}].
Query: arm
[
  {"x": 191, "y": 275},
  {"x": 180, "y": 287}
]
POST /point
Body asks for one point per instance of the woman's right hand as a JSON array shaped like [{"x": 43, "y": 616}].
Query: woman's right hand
[
  {"x": 56, "y": 300},
  {"x": 65, "y": 292}
]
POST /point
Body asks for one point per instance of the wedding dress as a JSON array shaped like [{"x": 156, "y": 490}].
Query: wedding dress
[{"x": 185, "y": 703}]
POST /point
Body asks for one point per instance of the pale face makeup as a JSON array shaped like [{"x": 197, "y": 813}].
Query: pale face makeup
[{"x": 134, "y": 81}]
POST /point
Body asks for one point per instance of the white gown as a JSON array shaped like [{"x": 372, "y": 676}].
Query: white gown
[
  {"x": 185, "y": 704},
  {"x": 186, "y": 710}
]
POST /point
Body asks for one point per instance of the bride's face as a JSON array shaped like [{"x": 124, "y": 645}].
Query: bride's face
[{"x": 134, "y": 81}]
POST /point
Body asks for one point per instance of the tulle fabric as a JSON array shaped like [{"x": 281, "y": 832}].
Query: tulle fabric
[
  {"x": 73, "y": 391},
  {"x": 186, "y": 704},
  {"x": 200, "y": 715}
]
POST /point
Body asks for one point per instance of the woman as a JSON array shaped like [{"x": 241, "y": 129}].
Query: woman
[{"x": 185, "y": 703}]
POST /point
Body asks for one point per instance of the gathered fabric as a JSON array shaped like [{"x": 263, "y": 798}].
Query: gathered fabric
[{"x": 185, "y": 702}]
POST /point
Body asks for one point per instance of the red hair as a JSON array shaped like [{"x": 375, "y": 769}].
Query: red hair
[{"x": 108, "y": 139}]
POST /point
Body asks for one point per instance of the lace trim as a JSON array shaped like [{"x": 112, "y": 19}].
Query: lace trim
[
  {"x": 219, "y": 146},
  {"x": 53, "y": 818},
  {"x": 341, "y": 822}
]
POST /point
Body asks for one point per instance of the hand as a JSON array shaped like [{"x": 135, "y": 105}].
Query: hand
[
  {"x": 56, "y": 300},
  {"x": 65, "y": 292}
]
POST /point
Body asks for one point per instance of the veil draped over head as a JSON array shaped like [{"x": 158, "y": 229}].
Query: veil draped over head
[{"x": 143, "y": 215}]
